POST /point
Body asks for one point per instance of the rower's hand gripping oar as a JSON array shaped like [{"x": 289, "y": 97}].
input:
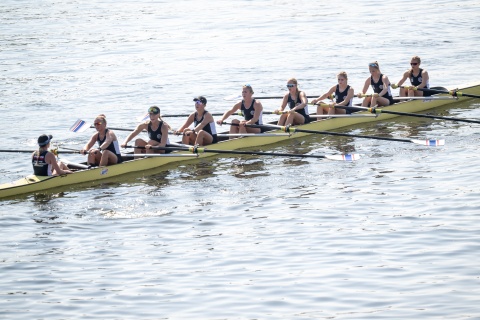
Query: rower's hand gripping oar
[
  {"x": 290, "y": 129},
  {"x": 198, "y": 150}
]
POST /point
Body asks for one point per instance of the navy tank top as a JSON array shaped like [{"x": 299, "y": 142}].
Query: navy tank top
[
  {"x": 209, "y": 127},
  {"x": 292, "y": 103},
  {"x": 341, "y": 96},
  {"x": 40, "y": 167},
  {"x": 378, "y": 87},
  {"x": 113, "y": 147}
]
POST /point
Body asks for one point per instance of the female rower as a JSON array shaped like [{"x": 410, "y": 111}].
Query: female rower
[
  {"x": 343, "y": 97},
  {"x": 204, "y": 131},
  {"x": 108, "y": 152},
  {"x": 157, "y": 131},
  {"x": 252, "y": 112},
  {"x": 418, "y": 79},
  {"x": 381, "y": 87},
  {"x": 44, "y": 162},
  {"x": 298, "y": 103}
]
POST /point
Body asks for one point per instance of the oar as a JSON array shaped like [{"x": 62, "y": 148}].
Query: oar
[
  {"x": 293, "y": 130},
  {"x": 454, "y": 93},
  {"x": 197, "y": 150},
  {"x": 54, "y": 151},
  {"x": 420, "y": 115},
  {"x": 215, "y": 114},
  {"x": 415, "y": 98},
  {"x": 237, "y": 97}
]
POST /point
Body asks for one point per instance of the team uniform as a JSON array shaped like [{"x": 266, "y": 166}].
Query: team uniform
[
  {"x": 40, "y": 167},
  {"x": 248, "y": 113},
  {"x": 155, "y": 135},
  {"x": 304, "y": 112},
  {"x": 341, "y": 96},
  {"x": 113, "y": 147},
  {"x": 378, "y": 87},
  {"x": 417, "y": 80},
  {"x": 209, "y": 127}
]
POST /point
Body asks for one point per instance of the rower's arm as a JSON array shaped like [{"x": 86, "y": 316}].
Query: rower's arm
[
  {"x": 90, "y": 143},
  {"x": 325, "y": 95},
  {"x": 386, "y": 84},
  {"x": 424, "y": 79},
  {"x": 187, "y": 123},
  {"x": 405, "y": 77},
  {"x": 132, "y": 135},
  {"x": 256, "y": 115},
  {"x": 229, "y": 112}
]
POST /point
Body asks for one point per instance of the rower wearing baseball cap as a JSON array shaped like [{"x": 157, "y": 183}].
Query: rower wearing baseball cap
[
  {"x": 157, "y": 131},
  {"x": 44, "y": 162},
  {"x": 204, "y": 131}
]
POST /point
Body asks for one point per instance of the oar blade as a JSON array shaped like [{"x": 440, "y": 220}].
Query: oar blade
[
  {"x": 343, "y": 157},
  {"x": 429, "y": 142},
  {"x": 79, "y": 126}
]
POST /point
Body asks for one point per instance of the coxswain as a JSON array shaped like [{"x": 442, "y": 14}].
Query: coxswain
[{"x": 44, "y": 162}]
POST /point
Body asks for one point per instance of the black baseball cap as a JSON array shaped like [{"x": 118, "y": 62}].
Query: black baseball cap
[
  {"x": 43, "y": 140},
  {"x": 202, "y": 99}
]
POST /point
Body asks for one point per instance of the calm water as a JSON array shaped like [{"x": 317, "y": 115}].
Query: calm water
[{"x": 394, "y": 235}]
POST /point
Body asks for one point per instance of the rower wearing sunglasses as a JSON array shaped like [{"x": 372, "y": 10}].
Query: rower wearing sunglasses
[
  {"x": 380, "y": 84},
  {"x": 157, "y": 131},
  {"x": 108, "y": 151},
  {"x": 298, "y": 104},
  {"x": 418, "y": 79},
  {"x": 204, "y": 131},
  {"x": 343, "y": 97},
  {"x": 251, "y": 109}
]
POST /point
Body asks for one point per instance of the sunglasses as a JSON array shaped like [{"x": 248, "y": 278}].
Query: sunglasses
[
  {"x": 247, "y": 85},
  {"x": 153, "y": 110},
  {"x": 413, "y": 63},
  {"x": 97, "y": 123},
  {"x": 374, "y": 65},
  {"x": 290, "y": 85},
  {"x": 198, "y": 102}
]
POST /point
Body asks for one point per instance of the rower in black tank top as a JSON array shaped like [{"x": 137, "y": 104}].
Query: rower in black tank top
[
  {"x": 378, "y": 87},
  {"x": 304, "y": 112},
  {"x": 113, "y": 147},
  {"x": 341, "y": 96},
  {"x": 209, "y": 127}
]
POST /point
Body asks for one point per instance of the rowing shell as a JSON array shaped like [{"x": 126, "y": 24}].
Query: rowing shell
[{"x": 32, "y": 183}]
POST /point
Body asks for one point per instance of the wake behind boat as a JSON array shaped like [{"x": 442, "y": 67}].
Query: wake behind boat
[{"x": 33, "y": 183}]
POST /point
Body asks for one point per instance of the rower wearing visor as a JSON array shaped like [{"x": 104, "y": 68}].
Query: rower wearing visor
[
  {"x": 44, "y": 162},
  {"x": 108, "y": 151},
  {"x": 251, "y": 109},
  {"x": 204, "y": 131},
  {"x": 157, "y": 131}
]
